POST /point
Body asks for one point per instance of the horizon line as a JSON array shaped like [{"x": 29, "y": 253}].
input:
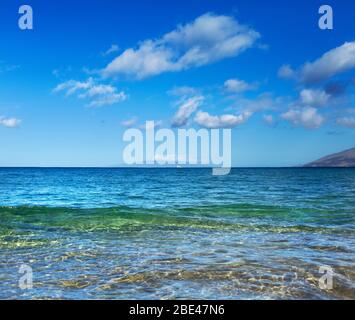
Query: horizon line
[{"x": 166, "y": 167}]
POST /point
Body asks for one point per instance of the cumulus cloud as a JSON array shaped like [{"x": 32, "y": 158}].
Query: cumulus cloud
[
  {"x": 333, "y": 62},
  {"x": 98, "y": 94},
  {"x": 10, "y": 122},
  {"x": 286, "y": 72},
  {"x": 306, "y": 117},
  {"x": 238, "y": 86},
  {"x": 348, "y": 122},
  {"x": 186, "y": 109},
  {"x": 207, "y": 39},
  {"x": 314, "y": 97},
  {"x": 206, "y": 120}
]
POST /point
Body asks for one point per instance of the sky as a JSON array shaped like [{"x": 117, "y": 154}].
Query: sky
[{"x": 89, "y": 70}]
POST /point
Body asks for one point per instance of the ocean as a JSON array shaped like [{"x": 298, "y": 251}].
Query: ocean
[{"x": 124, "y": 233}]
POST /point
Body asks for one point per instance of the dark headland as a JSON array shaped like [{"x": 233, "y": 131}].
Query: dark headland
[{"x": 344, "y": 159}]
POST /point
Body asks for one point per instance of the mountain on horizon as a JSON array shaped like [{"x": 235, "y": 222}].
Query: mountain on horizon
[{"x": 344, "y": 159}]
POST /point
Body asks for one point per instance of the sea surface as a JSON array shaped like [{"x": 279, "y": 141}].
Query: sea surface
[{"x": 177, "y": 233}]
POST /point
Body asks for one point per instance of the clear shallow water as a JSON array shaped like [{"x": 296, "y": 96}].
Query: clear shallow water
[{"x": 177, "y": 233}]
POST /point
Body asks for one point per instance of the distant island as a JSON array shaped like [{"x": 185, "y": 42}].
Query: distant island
[{"x": 344, "y": 159}]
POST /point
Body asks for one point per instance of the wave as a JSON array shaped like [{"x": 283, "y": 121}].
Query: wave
[
  {"x": 121, "y": 251},
  {"x": 237, "y": 217}
]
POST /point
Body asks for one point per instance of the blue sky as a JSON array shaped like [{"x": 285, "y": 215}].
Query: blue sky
[{"x": 89, "y": 69}]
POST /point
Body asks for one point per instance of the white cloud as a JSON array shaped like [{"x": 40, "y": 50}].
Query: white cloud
[
  {"x": 186, "y": 109},
  {"x": 72, "y": 86},
  {"x": 238, "y": 86},
  {"x": 333, "y": 62},
  {"x": 205, "y": 120},
  {"x": 286, "y": 72},
  {"x": 129, "y": 122},
  {"x": 183, "y": 91},
  {"x": 346, "y": 122},
  {"x": 114, "y": 48},
  {"x": 207, "y": 39},
  {"x": 98, "y": 94},
  {"x": 314, "y": 97},
  {"x": 262, "y": 102},
  {"x": 148, "y": 60},
  {"x": 97, "y": 90},
  {"x": 306, "y": 117},
  {"x": 10, "y": 122},
  {"x": 109, "y": 99}
]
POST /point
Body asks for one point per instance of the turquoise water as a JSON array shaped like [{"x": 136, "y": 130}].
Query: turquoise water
[{"x": 177, "y": 233}]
